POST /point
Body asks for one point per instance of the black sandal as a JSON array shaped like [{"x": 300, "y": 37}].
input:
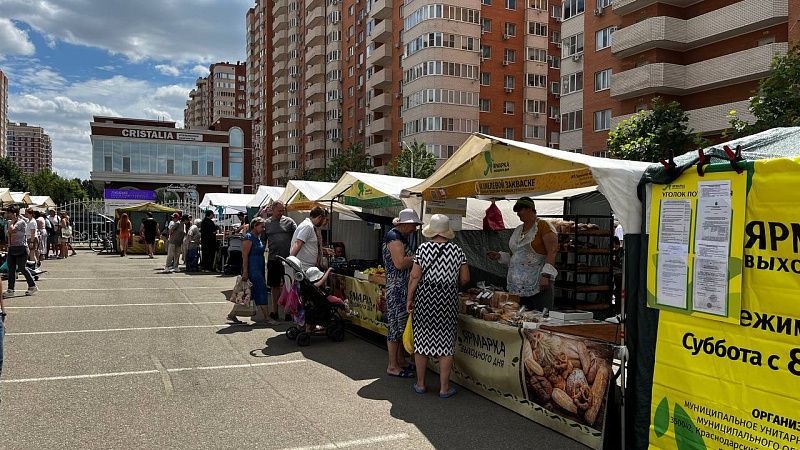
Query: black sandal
[{"x": 234, "y": 319}]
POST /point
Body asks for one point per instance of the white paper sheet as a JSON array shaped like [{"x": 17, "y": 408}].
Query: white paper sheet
[
  {"x": 674, "y": 226},
  {"x": 710, "y": 286},
  {"x": 713, "y": 229},
  {"x": 672, "y": 278}
]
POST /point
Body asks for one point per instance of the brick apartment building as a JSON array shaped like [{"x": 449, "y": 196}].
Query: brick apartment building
[
  {"x": 29, "y": 147},
  {"x": 221, "y": 94},
  {"x": 3, "y": 113},
  {"x": 325, "y": 74}
]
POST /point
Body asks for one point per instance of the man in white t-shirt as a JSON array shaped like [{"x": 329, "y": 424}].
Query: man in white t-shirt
[
  {"x": 306, "y": 242},
  {"x": 30, "y": 234},
  {"x": 619, "y": 232}
]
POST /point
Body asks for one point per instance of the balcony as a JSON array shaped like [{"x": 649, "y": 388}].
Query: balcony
[
  {"x": 315, "y": 17},
  {"x": 278, "y": 40},
  {"x": 380, "y": 80},
  {"x": 279, "y": 83},
  {"x": 316, "y": 163},
  {"x": 313, "y": 3},
  {"x": 315, "y": 108},
  {"x": 315, "y": 73},
  {"x": 379, "y": 149},
  {"x": 628, "y": 6},
  {"x": 280, "y": 70},
  {"x": 381, "y": 9},
  {"x": 279, "y": 128},
  {"x": 315, "y": 36},
  {"x": 280, "y": 143},
  {"x": 664, "y": 78},
  {"x": 315, "y": 90},
  {"x": 382, "y": 102},
  {"x": 279, "y": 54},
  {"x": 280, "y": 7},
  {"x": 280, "y": 25},
  {"x": 315, "y": 54},
  {"x": 382, "y": 126},
  {"x": 315, "y": 145},
  {"x": 681, "y": 35},
  {"x": 383, "y": 32},
  {"x": 315, "y": 127},
  {"x": 279, "y": 99},
  {"x": 381, "y": 56},
  {"x": 280, "y": 158}
]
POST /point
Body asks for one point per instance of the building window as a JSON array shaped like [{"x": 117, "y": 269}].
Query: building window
[
  {"x": 509, "y": 56},
  {"x": 603, "y": 37},
  {"x": 571, "y": 83},
  {"x": 508, "y": 133},
  {"x": 536, "y": 54},
  {"x": 486, "y": 51},
  {"x": 572, "y": 121},
  {"x": 555, "y": 37},
  {"x": 603, "y": 3},
  {"x": 508, "y": 107},
  {"x": 535, "y": 80},
  {"x": 554, "y": 87},
  {"x": 572, "y": 8},
  {"x": 485, "y": 105},
  {"x": 126, "y": 164},
  {"x": 107, "y": 166},
  {"x": 486, "y": 25},
  {"x": 486, "y": 78},
  {"x": 534, "y": 106},
  {"x": 541, "y": 5},
  {"x": 553, "y": 114},
  {"x": 553, "y": 62},
  {"x": 572, "y": 45},
  {"x": 602, "y": 80},
  {"x": 534, "y": 132},
  {"x": 511, "y": 4},
  {"x": 486, "y": 2},
  {"x": 510, "y": 29},
  {"x": 602, "y": 120},
  {"x": 236, "y": 137},
  {"x": 537, "y": 29},
  {"x": 171, "y": 166},
  {"x": 509, "y": 81},
  {"x": 483, "y": 129}
]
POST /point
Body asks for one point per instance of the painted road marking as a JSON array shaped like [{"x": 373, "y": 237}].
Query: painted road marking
[
  {"x": 135, "y": 289},
  {"x": 355, "y": 442},
  {"x": 111, "y": 330},
  {"x": 116, "y": 306},
  {"x": 152, "y": 371}
]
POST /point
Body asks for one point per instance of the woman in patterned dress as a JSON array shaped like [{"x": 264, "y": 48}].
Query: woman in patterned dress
[{"x": 439, "y": 267}]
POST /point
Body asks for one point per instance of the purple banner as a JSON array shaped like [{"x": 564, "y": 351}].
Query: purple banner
[{"x": 129, "y": 194}]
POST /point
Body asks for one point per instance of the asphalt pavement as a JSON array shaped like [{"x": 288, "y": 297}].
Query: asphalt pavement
[{"x": 113, "y": 354}]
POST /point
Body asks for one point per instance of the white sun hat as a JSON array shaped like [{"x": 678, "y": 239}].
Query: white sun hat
[{"x": 438, "y": 226}]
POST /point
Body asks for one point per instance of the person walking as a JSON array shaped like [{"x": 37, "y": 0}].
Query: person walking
[
  {"x": 253, "y": 268},
  {"x": 64, "y": 233},
  {"x": 185, "y": 247},
  {"x": 18, "y": 251},
  {"x": 439, "y": 267},
  {"x": 125, "y": 229},
  {"x": 398, "y": 258},
  {"x": 69, "y": 239},
  {"x": 31, "y": 235},
  {"x": 51, "y": 222},
  {"x": 177, "y": 231},
  {"x": 278, "y": 231},
  {"x": 306, "y": 241},
  {"x": 41, "y": 237},
  {"x": 193, "y": 247},
  {"x": 149, "y": 230},
  {"x": 208, "y": 241}
]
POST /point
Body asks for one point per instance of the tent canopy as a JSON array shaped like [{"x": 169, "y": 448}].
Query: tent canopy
[
  {"x": 21, "y": 198},
  {"x": 301, "y": 195},
  {"x": 369, "y": 190},
  {"x": 232, "y": 203},
  {"x": 265, "y": 195},
  {"x": 146, "y": 207},
  {"x": 43, "y": 201},
  {"x": 487, "y": 166},
  {"x": 5, "y": 196}
]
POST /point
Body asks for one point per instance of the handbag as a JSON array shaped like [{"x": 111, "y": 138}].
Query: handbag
[
  {"x": 66, "y": 232},
  {"x": 17, "y": 250},
  {"x": 408, "y": 335},
  {"x": 242, "y": 292}
]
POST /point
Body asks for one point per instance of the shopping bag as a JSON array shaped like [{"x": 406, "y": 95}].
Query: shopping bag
[
  {"x": 248, "y": 310},
  {"x": 242, "y": 292},
  {"x": 408, "y": 336}
]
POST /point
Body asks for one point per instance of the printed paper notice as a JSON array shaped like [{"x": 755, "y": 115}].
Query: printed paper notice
[
  {"x": 675, "y": 220},
  {"x": 713, "y": 232},
  {"x": 710, "y": 287},
  {"x": 672, "y": 273}
]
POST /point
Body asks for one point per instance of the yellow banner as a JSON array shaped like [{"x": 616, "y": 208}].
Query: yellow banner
[
  {"x": 695, "y": 262},
  {"x": 721, "y": 385},
  {"x": 367, "y": 299}
]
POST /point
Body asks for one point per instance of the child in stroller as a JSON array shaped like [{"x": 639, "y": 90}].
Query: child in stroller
[{"x": 318, "y": 313}]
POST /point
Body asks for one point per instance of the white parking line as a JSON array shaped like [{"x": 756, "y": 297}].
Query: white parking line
[
  {"x": 116, "y": 306},
  {"x": 354, "y": 443},
  {"x": 153, "y": 371},
  {"x": 155, "y": 277},
  {"x": 135, "y": 289},
  {"x": 111, "y": 330}
]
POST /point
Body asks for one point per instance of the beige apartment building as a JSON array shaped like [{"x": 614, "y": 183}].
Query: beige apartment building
[
  {"x": 258, "y": 88},
  {"x": 29, "y": 147},
  {"x": 3, "y": 113},
  {"x": 221, "y": 94}
]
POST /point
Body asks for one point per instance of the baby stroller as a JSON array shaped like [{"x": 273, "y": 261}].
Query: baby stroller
[{"x": 323, "y": 317}]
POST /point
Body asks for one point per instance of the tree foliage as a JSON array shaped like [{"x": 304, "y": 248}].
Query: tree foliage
[
  {"x": 11, "y": 176},
  {"x": 61, "y": 190},
  {"x": 777, "y": 102},
  {"x": 415, "y": 161},
  {"x": 351, "y": 159},
  {"x": 651, "y": 135}
]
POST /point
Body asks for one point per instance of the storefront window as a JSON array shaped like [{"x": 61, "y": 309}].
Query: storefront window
[{"x": 110, "y": 155}]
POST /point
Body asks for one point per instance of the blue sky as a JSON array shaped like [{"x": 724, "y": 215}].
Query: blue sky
[{"x": 67, "y": 60}]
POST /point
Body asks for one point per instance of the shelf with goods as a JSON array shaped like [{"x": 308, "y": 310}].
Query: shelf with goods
[{"x": 584, "y": 261}]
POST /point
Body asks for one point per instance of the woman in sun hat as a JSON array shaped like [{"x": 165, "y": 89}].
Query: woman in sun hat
[
  {"x": 398, "y": 257},
  {"x": 439, "y": 267}
]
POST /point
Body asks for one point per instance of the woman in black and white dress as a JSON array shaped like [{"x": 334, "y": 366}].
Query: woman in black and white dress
[{"x": 439, "y": 267}]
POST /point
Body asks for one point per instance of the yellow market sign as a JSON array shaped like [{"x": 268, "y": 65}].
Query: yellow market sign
[{"x": 365, "y": 196}]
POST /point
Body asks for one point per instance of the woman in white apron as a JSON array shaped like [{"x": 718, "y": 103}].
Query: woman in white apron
[{"x": 531, "y": 262}]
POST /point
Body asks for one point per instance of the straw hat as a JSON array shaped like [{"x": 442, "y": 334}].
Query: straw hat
[
  {"x": 313, "y": 274},
  {"x": 438, "y": 226},
  {"x": 408, "y": 215}
]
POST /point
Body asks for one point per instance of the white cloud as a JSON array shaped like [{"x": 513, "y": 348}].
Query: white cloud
[
  {"x": 179, "y": 31},
  {"x": 200, "y": 70},
  {"x": 65, "y": 113},
  {"x": 14, "y": 41},
  {"x": 166, "y": 69}
]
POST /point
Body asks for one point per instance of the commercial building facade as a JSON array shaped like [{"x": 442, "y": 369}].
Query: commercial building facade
[
  {"x": 29, "y": 147},
  {"x": 153, "y": 155},
  {"x": 221, "y": 94},
  {"x": 3, "y": 113}
]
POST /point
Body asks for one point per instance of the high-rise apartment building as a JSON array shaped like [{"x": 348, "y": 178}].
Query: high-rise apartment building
[
  {"x": 221, "y": 94},
  {"x": 383, "y": 74},
  {"x": 29, "y": 147},
  {"x": 259, "y": 84},
  {"x": 3, "y": 113}
]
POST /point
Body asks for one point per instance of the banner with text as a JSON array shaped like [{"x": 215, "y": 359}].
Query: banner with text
[
  {"x": 734, "y": 385},
  {"x": 365, "y": 298}
]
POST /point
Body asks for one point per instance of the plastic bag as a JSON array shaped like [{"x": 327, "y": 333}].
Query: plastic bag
[
  {"x": 248, "y": 310},
  {"x": 408, "y": 336},
  {"x": 242, "y": 292}
]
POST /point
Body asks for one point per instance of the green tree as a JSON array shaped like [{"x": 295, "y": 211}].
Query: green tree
[
  {"x": 777, "y": 102},
  {"x": 651, "y": 135},
  {"x": 61, "y": 190},
  {"x": 351, "y": 159},
  {"x": 415, "y": 161},
  {"x": 91, "y": 190},
  {"x": 11, "y": 176}
]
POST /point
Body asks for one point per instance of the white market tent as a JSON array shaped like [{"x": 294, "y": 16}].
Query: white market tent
[
  {"x": 487, "y": 166},
  {"x": 265, "y": 195},
  {"x": 371, "y": 190},
  {"x": 42, "y": 201},
  {"x": 5, "y": 196},
  {"x": 302, "y": 195},
  {"x": 21, "y": 198},
  {"x": 232, "y": 203}
]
